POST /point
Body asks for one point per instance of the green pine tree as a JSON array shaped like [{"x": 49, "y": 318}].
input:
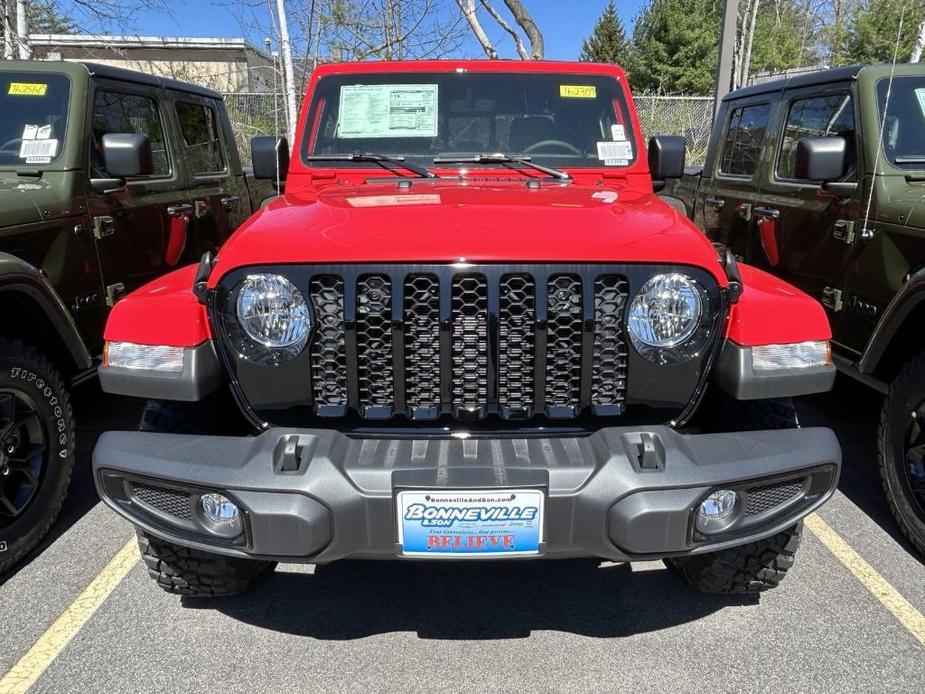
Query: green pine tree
[
  {"x": 872, "y": 30},
  {"x": 607, "y": 43},
  {"x": 676, "y": 46}
]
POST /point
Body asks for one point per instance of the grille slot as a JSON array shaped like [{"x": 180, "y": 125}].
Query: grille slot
[
  {"x": 374, "y": 345},
  {"x": 422, "y": 345},
  {"x": 470, "y": 342},
  {"x": 608, "y": 373},
  {"x": 516, "y": 344},
  {"x": 168, "y": 501},
  {"x": 329, "y": 359},
  {"x": 769, "y": 496},
  {"x": 563, "y": 345}
]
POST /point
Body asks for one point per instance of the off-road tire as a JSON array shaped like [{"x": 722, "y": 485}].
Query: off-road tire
[
  {"x": 727, "y": 414},
  {"x": 26, "y": 370},
  {"x": 751, "y": 568},
  {"x": 906, "y": 392},
  {"x": 186, "y": 571}
]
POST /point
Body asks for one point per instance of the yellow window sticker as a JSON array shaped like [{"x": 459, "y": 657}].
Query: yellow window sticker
[
  {"x": 28, "y": 88},
  {"x": 577, "y": 91}
]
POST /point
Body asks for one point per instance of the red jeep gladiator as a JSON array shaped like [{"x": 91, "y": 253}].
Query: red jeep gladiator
[{"x": 469, "y": 328}]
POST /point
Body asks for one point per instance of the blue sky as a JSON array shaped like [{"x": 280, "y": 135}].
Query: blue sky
[{"x": 564, "y": 24}]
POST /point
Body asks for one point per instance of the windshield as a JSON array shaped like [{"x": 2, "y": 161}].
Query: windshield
[
  {"x": 903, "y": 121},
  {"x": 557, "y": 120},
  {"x": 34, "y": 108}
]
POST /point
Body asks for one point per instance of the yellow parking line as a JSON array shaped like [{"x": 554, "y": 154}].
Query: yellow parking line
[
  {"x": 878, "y": 586},
  {"x": 31, "y": 666}
]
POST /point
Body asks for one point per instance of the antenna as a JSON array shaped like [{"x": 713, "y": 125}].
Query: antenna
[{"x": 886, "y": 107}]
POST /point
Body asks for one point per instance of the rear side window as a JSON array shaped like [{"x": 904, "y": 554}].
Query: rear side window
[
  {"x": 199, "y": 128},
  {"x": 115, "y": 112},
  {"x": 744, "y": 136},
  {"x": 818, "y": 116}
]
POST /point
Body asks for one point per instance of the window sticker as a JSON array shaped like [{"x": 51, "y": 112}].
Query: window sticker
[
  {"x": 615, "y": 153},
  {"x": 27, "y": 89},
  {"x": 577, "y": 91},
  {"x": 387, "y": 110},
  {"x": 38, "y": 147},
  {"x": 617, "y": 132}
]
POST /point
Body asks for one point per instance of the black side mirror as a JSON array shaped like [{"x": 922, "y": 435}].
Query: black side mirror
[
  {"x": 266, "y": 151},
  {"x": 821, "y": 158},
  {"x": 666, "y": 158},
  {"x": 127, "y": 154}
]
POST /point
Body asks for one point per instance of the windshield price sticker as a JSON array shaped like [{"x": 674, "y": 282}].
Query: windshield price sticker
[
  {"x": 615, "y": 153},
  {"x": 577, "y": 91},
  {"x": 37, "y": 147},
  {"x": 501, "y": 523},
  {"x": 27, "y": 89},
  {"x": 387, "y": 110}
]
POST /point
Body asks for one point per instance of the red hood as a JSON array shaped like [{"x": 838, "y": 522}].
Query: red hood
[{"x": 448, "y": 221}]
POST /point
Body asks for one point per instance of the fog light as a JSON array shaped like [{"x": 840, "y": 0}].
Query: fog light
[
  {"x": 716, "y": 511},
  {"x": 221, "y": 515}
]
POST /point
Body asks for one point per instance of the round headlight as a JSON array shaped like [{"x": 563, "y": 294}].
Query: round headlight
[
  {"x": 665, "y": 313},
  {"x": 273, "y": 313}
]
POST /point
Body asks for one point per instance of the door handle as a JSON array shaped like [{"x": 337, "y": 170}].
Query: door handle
[
  {"x": 185, "y": 210},
  {"x": 229, "y": 202},
  {"x": 768, "y": 212},
  {"x": 716, "y": 203}
]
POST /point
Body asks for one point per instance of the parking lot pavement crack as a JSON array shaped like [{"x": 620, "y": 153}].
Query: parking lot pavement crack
[{"x": 31, "y": 666}]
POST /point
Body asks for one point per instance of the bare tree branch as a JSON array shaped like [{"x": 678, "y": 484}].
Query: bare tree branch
[
  {"x": 525, "y": 20},
  {"x": 521, "y": 51},
  {"x": 467, "y": 7}
]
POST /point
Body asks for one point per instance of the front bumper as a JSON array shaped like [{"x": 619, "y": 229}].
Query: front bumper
[{"x": 320, "y": 495}]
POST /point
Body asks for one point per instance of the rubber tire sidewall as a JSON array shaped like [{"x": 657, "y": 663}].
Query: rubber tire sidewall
[
  {"x": 23, "y": 369},
  {"x": 906, "y": 392}
]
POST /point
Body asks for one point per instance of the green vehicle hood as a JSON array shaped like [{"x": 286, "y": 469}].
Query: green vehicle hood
[{"x": 26, "y": 199}]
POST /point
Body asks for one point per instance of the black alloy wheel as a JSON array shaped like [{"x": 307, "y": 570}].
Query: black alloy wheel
[{"x": 23, "y": 453}]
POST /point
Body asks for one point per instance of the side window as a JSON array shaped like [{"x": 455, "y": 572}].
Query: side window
[
  {"x": 199, "y": 128},
  {"x": 744, "y": 136},
  {"x": 818, "y": 116},
  {"x": 115, "y": 112}
]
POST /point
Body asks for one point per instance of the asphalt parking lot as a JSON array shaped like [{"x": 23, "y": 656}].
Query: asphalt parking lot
[{"x": 833, "y": 626}]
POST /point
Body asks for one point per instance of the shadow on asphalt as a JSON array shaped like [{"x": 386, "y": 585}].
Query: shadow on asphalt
[
  {"x": 473, "y": 600},
  {"x": 852, "y": 411}
]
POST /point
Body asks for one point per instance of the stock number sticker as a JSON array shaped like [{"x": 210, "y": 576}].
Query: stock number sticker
[
  {"x": 577, "y": 91},
  {"x": 27, "y": 88}
]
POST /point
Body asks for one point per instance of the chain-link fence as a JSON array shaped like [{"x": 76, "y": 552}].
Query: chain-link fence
[
  {"x": 690, "y": 116},
  {"x": 255, "y": 114}
]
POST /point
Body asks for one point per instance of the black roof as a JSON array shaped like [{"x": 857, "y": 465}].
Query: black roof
[
  {"x": 807, "y": 79},
  {"x": 119, "y": 73}
]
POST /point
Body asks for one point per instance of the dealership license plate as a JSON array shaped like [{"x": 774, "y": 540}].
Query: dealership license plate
[{"x": 497, "y": 523}]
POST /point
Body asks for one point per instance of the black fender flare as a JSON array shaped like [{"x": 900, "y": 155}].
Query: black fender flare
[
  {"x": 16, "y": 275},
  {"x": 907, "y": 299}
]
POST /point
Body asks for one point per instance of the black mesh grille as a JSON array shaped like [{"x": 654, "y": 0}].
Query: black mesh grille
[
  {"x": 168, "y": 501},
  {"x": 563, "y": 342},
  {"x": 374, "y": 341},
  {"x": 764, "y": 498},
  {"x": 329, "y": 360},
  {"x": 608, "y": 373},
  {"x": 470, "y": 341},
  {"x": 422, "y": 342},
  {"x": 437, "y": 340},
  {"x": 516, "y": 343}
]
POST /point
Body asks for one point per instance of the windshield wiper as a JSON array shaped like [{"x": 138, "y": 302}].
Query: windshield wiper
[
  {"x": 500, "y": 158},
  {"x": 376, "y": 159}
]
